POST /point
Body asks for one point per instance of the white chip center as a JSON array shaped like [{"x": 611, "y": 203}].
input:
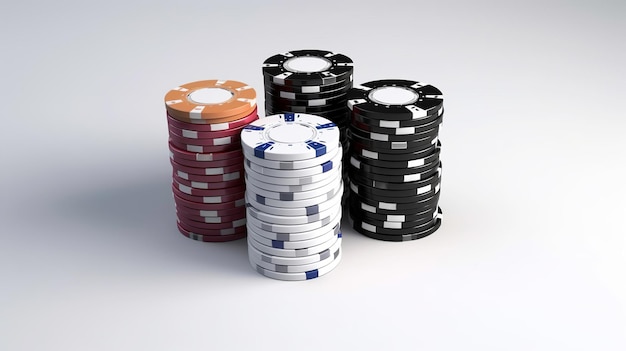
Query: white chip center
[
  {"x": 291, "y": 133},
  {"x": 210, "y": 96},
  {"x": 393, "y": 96},
  {"x": 307, "y": 64}
]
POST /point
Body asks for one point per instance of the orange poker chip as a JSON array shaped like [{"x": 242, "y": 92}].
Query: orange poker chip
[{"x": 211, "y": 101}]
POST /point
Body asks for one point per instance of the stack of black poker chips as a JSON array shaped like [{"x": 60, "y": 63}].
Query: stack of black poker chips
[
  {"x": 313, "y": 82},
  {"x": 394, "y": 165}
]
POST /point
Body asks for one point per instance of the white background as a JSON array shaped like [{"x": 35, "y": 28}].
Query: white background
[{"x": 532, "y": 251}]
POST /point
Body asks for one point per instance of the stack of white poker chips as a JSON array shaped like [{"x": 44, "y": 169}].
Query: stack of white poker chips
[{"x": 293, "y": 193}]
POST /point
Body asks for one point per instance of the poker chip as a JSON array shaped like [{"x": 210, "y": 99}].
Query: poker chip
[
  {"x": 205, "y": 120},
  {"x": 293, "y": 172},
  {"x": 211, "y": 101},
  {"x": 290, "y": 137},
  {"x": 394, "y": 166},
  {"x": 310, "y": 82}
]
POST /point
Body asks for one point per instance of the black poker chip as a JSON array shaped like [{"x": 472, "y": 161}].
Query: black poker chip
[
  {"x": 307, "y": 67},
  {"x": 279, "y": 92},
  {"x": 360, "y": 209},
  {"x": 403, "y": 178},
  {"x": 393, "y": 146},
  {"x": 366, "y": 167},
  {"x": 371, "y": 218},
  {"x": 395, "y": 124},
  {"x": 308, "y": 89},
  {"x": 384, "y": 206},
  {"x": 364, "y": 179},
  {"x": 391, "y": 196},
  {"x": 385, "y": 155},
  {"x": 373, "y": 159},
  {"x": 373, "y": 228},
  {"x": 424, "y": 136},
  {"x": 395, "y": 100},
  {"x": 406, "y": 130},
  {"x": 311, "y": 102},
  {"x": 358, "y": 226}
]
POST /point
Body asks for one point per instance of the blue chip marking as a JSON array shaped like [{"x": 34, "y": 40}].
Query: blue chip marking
[
  {"x": 251, "y": 127},
  {"x": 259, "y": 151},
  {"x": 327, "y": 166},
  {"x": 290, "y": 117},
  {"x": 260, "y": 199},
  {"x": 278, "y": 244},
  {"x": 320, "y": 149},
  {"x": 312, "y": 274},
  {"x": 327, "y": 125}
]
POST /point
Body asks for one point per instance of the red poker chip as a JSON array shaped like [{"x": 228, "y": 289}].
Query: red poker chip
[
  {"x": 210, "y": 238},
  {"x": 211, "y": 220},
  {"x": 204, "y": 206},
  {"x": 209, "y": 199},
  {"x": 210, "y": 179},
  {"x": 211, "y": 171},
  {"x": 205, "y": 149},
  {"x": 194, "y": 134},
  {"x": 227, "y": 140},
  {"x": 225, "y": 231},
  {"x": 207, "y": 164},
  {"x": 209, "y": 192},
  {"x": 191, "y": 224},
  {"x": 210, "y": 185},
  {"x": 204, "y": 157},
  {"x": 214, "y": 127},
  {"x": 193, "y": 213}
]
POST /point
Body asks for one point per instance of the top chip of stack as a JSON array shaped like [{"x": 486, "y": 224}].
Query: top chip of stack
[
  {"x": 205, "y": 120},
  {"x": 294, "y": 186},
  {"x": 394, "y": 167}
]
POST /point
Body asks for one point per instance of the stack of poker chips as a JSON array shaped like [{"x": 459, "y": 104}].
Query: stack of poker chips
[
  {"x": 394, "y": 166},
  {"x": 205, "y": 120},
  {"x": 293, "y": 165},
  {"x": 310, "y": 81}
]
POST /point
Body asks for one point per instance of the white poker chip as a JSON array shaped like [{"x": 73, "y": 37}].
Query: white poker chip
[
  {"x": 290, "y": 137},
  {"x": 327, "y": 166},
  {"x": 289, "y": 165}
]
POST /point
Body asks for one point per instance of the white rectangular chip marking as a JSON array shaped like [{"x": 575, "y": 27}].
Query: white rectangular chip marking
[
  {"x": 355, "y": 163},
  {"x": 182, "y": 175},
  {"x": 396, "y": 218},
  {"x": 196, "y": 113},
  {"x": 194, "y": 148},
  {"x": 415, "y": 163},
  {"x": 310, "y": 89},
  {"x": 368, "y": 227},
  {"x": 172, "y": 102},
  {"x": 412, "y": 177},
  {"x": 205, "y": 213},
  {"x": 416, "y": 112},
  {"x": 368, "y": 208},
  {"x": 204, "y": 157},
  {"x": 252, "y": 102},
  {"x": 214, "y": 171},
  {"x": 200, "y": 185},
  {"x": 212, "y": 199},
  {"x": 387, "y": 206},
  {"x": 190, "y": 134},
  {"x": 424, "y": 189},
  {"x": 222, "y": 141},
  {"x": 370, "y": 154},
  {"x": 185, "y": 189},
  {"x": 231, "y": 176},
  {"x": 389, "y": 124},
  {"x": 392, "y": 225},
  {"x": 405, "y": 131},
  {"x": 220, "y": 82},
  {"x": 287, "y": 95},
  {"x": 317, "y": 102},
  {"x": 380, "y": 137},
  {"x": 399, "y": 145}
]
